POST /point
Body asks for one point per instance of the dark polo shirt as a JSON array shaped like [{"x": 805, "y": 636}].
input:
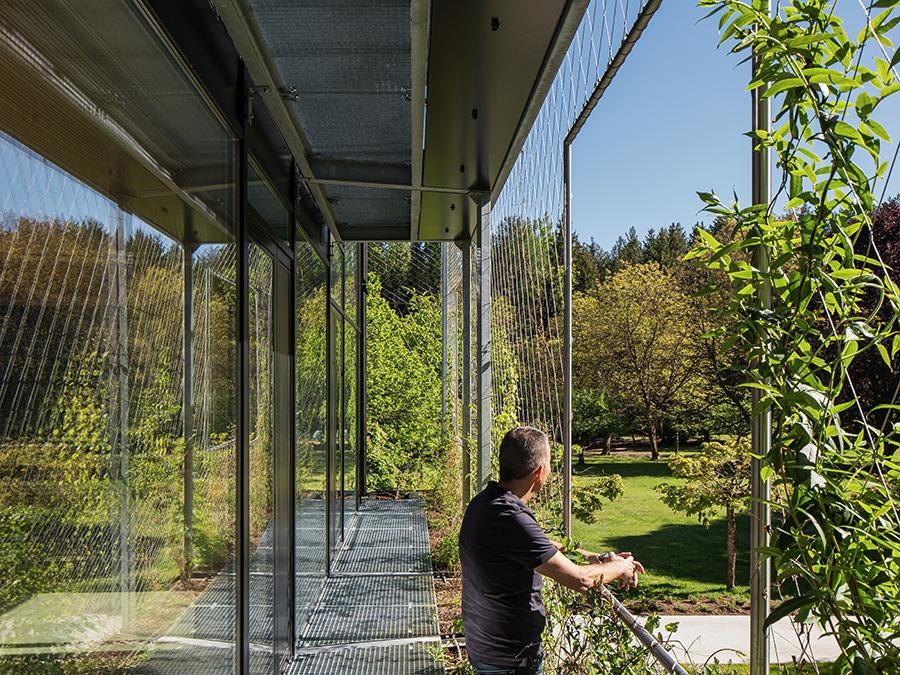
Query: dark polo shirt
[{"x": 500, "y": 544}]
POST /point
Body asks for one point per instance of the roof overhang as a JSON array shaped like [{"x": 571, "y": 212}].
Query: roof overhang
[{"x": 469, "y": 78}]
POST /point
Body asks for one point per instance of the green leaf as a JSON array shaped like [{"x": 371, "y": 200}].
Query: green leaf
[
  {"x": 786, "y": 607},
  {"x": 884, "y": 354},
  {"x": 879, "y": 130},
  {"x": 783, "y": 85},
  {"x": 841, "y": 128}
]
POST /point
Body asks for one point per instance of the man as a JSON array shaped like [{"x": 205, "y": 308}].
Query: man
[{"x": 504, "y": 553}]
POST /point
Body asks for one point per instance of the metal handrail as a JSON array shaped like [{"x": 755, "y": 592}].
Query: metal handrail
[{"x": 659, "y": 652}]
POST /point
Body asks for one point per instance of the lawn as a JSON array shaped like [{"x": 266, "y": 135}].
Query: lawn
[{"x": 685, "y": 561}]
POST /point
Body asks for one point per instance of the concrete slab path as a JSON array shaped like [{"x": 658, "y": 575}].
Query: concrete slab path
[{"x": 727, "y": 638}]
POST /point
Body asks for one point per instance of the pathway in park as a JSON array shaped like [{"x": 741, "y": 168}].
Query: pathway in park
[{"x": 700, "y": 638}]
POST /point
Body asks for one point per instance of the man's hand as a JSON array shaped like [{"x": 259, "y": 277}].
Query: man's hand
[{"x": 630, "y": 569}]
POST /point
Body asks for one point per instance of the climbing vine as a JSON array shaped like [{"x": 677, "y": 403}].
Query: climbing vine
[{"x": 835, "y": 545}]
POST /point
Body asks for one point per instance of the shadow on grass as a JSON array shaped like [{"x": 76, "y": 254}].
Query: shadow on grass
[
  {"x": 689, "y": 552},
  {"x": 626, "y": 469}
]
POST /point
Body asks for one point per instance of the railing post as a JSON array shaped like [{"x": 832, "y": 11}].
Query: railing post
[
  {"x": 567, "y": 343},
  {"x": 466, "y": 357},
  {"x": 483, "y": 440},
  {"x": 761, "y": 432}
]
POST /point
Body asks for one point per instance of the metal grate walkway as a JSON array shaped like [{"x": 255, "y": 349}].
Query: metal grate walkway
[{"x": 377, "y": 614}]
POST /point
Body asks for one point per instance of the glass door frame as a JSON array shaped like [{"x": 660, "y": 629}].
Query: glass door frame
[{"x": 283, "y": 559}]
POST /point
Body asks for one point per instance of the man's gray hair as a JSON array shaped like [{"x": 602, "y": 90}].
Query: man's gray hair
[{"x": 522, "y": 451}]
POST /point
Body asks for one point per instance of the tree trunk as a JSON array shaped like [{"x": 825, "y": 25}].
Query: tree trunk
[
  {"x": 607, "y": 446},
  {"x": 706, "y": 436},
  {"x": 731, "y": 547},
  {"x": 581, "y": 457},
  {"x": 654, "y": 443},
  {"x": 677, "y": 441}
]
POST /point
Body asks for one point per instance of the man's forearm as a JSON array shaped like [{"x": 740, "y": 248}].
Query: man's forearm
[
  {"x": 584, "y": 552},
  {"x": 601, "y": 573}
]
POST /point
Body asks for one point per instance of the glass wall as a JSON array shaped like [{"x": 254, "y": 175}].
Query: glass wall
[
  {"x": 111, "y": 539},
  {"x": 311, "y": 302}
]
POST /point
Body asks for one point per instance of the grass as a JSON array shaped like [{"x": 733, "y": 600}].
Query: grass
[{"x": 685, "y": 561}]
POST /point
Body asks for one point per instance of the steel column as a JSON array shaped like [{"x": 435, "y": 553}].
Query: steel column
[
  {"x": 445, "y": 338},
  {"x": 330, "y": 416},
  {"x": 187, "y": 408},
  {"x": 466, "y": 356},
  {"x": 361, "y": 387},
  {"x": 761, "y": 432},
  {"x": 567, "y": 343},
  {"x": 242, "y": 578},
  {"x": 483, "y": 469}
]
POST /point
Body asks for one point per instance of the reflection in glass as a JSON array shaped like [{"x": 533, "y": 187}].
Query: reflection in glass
[
  {"x": 335, "y": 476},
  {"x": 262, "y": 415},
  {"x": 310, "y": 426},
  {"x": 94, "y": 439},
  {"x": 350, "y": 337}
]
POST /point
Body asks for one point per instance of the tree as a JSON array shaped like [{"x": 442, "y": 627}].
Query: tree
[
  {"x": 636, "y": 333},
  {"x": 585, "y": 269},
  {"x": 716, "y": 478},
  {"x": 596, "y": 415},
  {"x": 403, "y": 389},
  {"x": 876, "y": 372},
  {"x": 588, "y": 501}
]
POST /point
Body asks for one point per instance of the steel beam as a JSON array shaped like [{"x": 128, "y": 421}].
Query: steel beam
[
  {"x": 761, "y": 430},
  {"x": 466, "y": 357},
  {"x": 483, "y": 439}
]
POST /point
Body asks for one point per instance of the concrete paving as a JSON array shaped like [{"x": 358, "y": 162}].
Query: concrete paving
[{"x": 699, "y": 639}]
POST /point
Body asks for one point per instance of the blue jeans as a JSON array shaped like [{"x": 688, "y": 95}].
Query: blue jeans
[{"x": 484, "y": 669}]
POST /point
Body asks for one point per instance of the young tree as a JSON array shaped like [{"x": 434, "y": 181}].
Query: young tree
[
  {"x": 716, "y": 478},
  {"x": 636, "y": 333}
]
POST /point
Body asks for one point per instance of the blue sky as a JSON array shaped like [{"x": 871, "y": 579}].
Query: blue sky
[{"x": 671, "y": 124}]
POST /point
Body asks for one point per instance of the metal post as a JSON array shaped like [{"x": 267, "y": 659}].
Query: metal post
[
  {"x": 453, "y": 341},
  {"x": 361, "y": 421},
  {"x": 567, "y": 344},
  {"x": 445, "y": 338},
  {"x": 483, "y": 471},
  {"x": 242, "y": 483},
  {"x": 466, "y": 356},
  {"x": 761, "y": 432},
  {"x": 187, "y": 407}
]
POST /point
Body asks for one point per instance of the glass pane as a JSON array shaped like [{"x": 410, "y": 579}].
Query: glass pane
[
  {"x": 337, "y": 274},
  {"x": 310, "y": 426},
  {"x": 350, "y": 280},
  {"x": 262, "y": 415},
  {"x": 266, "y": 207},
  {"x": 111, "y": 544}
]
